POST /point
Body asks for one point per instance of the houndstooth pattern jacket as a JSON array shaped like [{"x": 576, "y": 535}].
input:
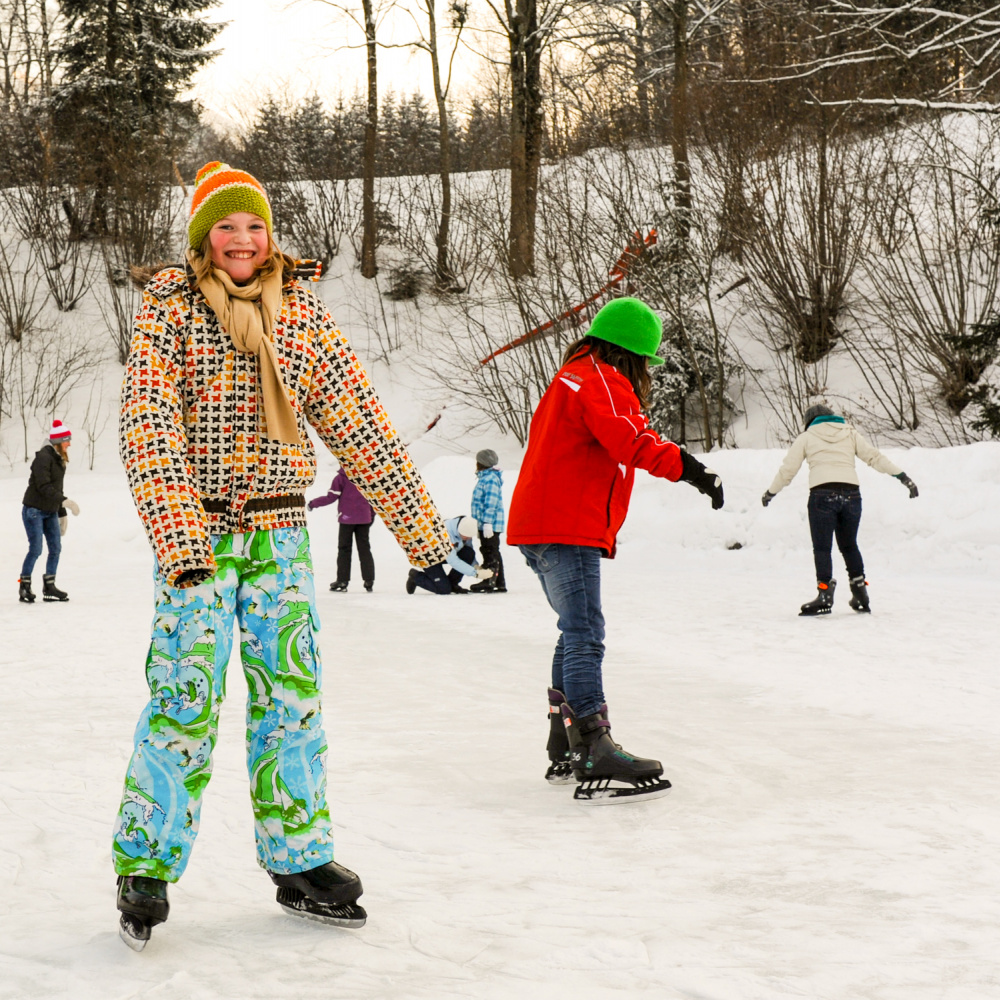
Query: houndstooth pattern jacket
[{"x": 190, "y": 430}]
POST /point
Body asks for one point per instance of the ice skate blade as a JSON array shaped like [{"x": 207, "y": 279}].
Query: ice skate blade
[
  {"x": 349, "y": 915},
  {"x": 815, "y": 614},
  {"x": 133, "y": 932},
  {"x": 600, "y": 791}
]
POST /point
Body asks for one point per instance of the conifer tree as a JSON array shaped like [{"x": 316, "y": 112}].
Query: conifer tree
[{"x": 125, "y": 65}]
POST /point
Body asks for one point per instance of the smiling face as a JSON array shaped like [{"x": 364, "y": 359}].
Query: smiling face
[{"x": 240, "y": 245}]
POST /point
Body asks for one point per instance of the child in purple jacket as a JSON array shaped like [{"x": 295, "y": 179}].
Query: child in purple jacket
[{"x": 355, "y": 517}]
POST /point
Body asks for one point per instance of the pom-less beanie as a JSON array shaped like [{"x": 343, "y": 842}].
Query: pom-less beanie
[
  {"x": 59, "y": 433},
  {"x": 487, "y": 458},
  {"x": 219, "y": 191},
  {"x": 814, "y": 411},
  {"x": 631, "y": 324}
]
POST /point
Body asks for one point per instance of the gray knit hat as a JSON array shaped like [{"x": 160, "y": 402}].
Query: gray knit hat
[
  {"x": 817, "y": 410},
  {"x": 487, "y": 458}
]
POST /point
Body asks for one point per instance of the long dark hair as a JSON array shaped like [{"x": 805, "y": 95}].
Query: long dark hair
[{"x": 633, "y": 366}]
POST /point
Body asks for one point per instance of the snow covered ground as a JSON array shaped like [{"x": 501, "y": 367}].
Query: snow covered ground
[{"x": 833, "y": 833}]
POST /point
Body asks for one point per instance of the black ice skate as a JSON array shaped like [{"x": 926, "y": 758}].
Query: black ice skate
[
  {"x": 338, "y": 588},
  {"x": 560, "y": 771},
  {"x": 822, "y": 604},
  {"x": 50, "y": 592},
  {"x": 859, "y": 594},
  {"x": 327, "y": 894},
  {"x": 143, "y": 904},
  {"x": 24, "y": 592},
  {"x": 606, "y": 773}
]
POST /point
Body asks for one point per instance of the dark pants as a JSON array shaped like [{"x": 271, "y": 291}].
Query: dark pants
[
  {"x": 835, "y": 512},
  {"x": 440, "y": 582},
  {"x": 355, "y": 534},
  {"x": 39, "y": 524},
  {"x": 571, "y": 580},
  {"x": 489, "y": 549}
]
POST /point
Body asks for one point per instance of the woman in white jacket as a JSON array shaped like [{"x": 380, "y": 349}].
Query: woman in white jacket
[{"x": 830, "y": 445}]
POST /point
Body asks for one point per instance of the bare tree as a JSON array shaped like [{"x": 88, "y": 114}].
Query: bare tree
[
  {"x": 373, "y": 13},
  {"x": 941, "y": 56},
  {"x": 802, "y": 229},
  {"x": 529, "y": 27},
  {"x": 444, "y": 274},
  {"x": 934, "y": 268},
  {"x": 27, "y": 59}
]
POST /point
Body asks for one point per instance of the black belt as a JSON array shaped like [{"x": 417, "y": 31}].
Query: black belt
[{"x": 289, "y": 502}]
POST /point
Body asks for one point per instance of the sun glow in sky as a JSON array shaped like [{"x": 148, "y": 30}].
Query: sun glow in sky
[{"x": 301, "y": 47}]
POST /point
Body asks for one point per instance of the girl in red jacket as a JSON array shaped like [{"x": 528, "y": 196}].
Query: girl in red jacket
[{"x": 587, "y": 438}]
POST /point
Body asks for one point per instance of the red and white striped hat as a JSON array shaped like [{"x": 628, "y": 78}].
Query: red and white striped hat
[{"x": 59, "y": 432}]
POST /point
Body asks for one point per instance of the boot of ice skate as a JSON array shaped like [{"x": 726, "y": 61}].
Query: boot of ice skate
[
  {"x": 24, "y": 592},
  {"x": 606, "y": 772},
  {"x": 859, "y": 594},
  {"x": 559, "y": 772},
  {"x": 822, "y": 604},
  {"x": 143, "y": 903},
  {"x": 50, "y": 592},
  {"x": 327, "y": 894}
]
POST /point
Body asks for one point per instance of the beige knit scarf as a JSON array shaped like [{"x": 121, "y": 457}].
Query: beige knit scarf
[{"x": 247, "y": 313}]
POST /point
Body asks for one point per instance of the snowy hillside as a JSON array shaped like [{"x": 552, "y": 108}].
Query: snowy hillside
[{"x": 832, "y": 832}]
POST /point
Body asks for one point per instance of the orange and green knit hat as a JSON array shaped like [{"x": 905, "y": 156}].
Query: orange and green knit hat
[{"x": 219, "y": 191}]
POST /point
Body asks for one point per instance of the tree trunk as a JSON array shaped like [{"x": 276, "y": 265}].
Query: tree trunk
[
  {"x": 525, "y": 133},
  {"x": 369, "y": 268},
  {"x": 641, "y": 70},
  {"x": 443, "y": 276},
  {"x": 679, "y": 122}
]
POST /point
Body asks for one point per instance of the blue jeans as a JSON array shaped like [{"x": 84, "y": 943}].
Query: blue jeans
[
  {"x": 39, "y": 523},
  {"x": 571, "y": 579},
  {"x": 835, "y": 512}
]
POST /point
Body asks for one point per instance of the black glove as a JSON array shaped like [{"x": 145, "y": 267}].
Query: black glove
[
  {"x": 909, "y": 484},
  {"x": 767, "y": 497},
  {"x": 702, "y": 479}
]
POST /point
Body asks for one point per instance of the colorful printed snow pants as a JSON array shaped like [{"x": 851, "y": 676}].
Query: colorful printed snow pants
[{"x": 264, "y": 580}]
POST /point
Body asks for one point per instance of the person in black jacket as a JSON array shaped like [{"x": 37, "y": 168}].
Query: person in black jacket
[{"x": 44, "y": 513}]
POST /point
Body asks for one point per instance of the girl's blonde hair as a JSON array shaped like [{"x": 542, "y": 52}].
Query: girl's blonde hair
[
  {"x": 277, "y": 261},
  {"x": 201, "y": 263}
]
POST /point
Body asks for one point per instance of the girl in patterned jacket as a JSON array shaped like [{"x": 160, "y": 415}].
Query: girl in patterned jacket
[{"x": 231, "y": 358}]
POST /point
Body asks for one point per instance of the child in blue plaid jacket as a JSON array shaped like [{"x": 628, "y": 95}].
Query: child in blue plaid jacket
[{"x": 487, "y": 509}]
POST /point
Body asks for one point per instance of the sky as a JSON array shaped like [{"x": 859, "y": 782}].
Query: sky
[{"x": 301, "y": 47}]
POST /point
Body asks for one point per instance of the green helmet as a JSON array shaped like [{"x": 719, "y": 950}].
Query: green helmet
[{"x": 631, "y": 324}]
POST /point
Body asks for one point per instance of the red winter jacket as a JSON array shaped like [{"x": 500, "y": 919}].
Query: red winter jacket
[{"x": 586, "y": 440}]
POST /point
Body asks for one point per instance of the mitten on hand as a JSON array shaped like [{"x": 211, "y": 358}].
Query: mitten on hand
[
  {"x": 703, "y": 480},
  {"x": 487, "y": 531},
  {"x": 309, "y": 506},
  {"x": 482, "y": 573},
  {"x": 72, "y": 506},
  {"x": 63, "y": 524},
  {"x": 909, "y": 484},
  {"x": 767, "y": 497}
]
